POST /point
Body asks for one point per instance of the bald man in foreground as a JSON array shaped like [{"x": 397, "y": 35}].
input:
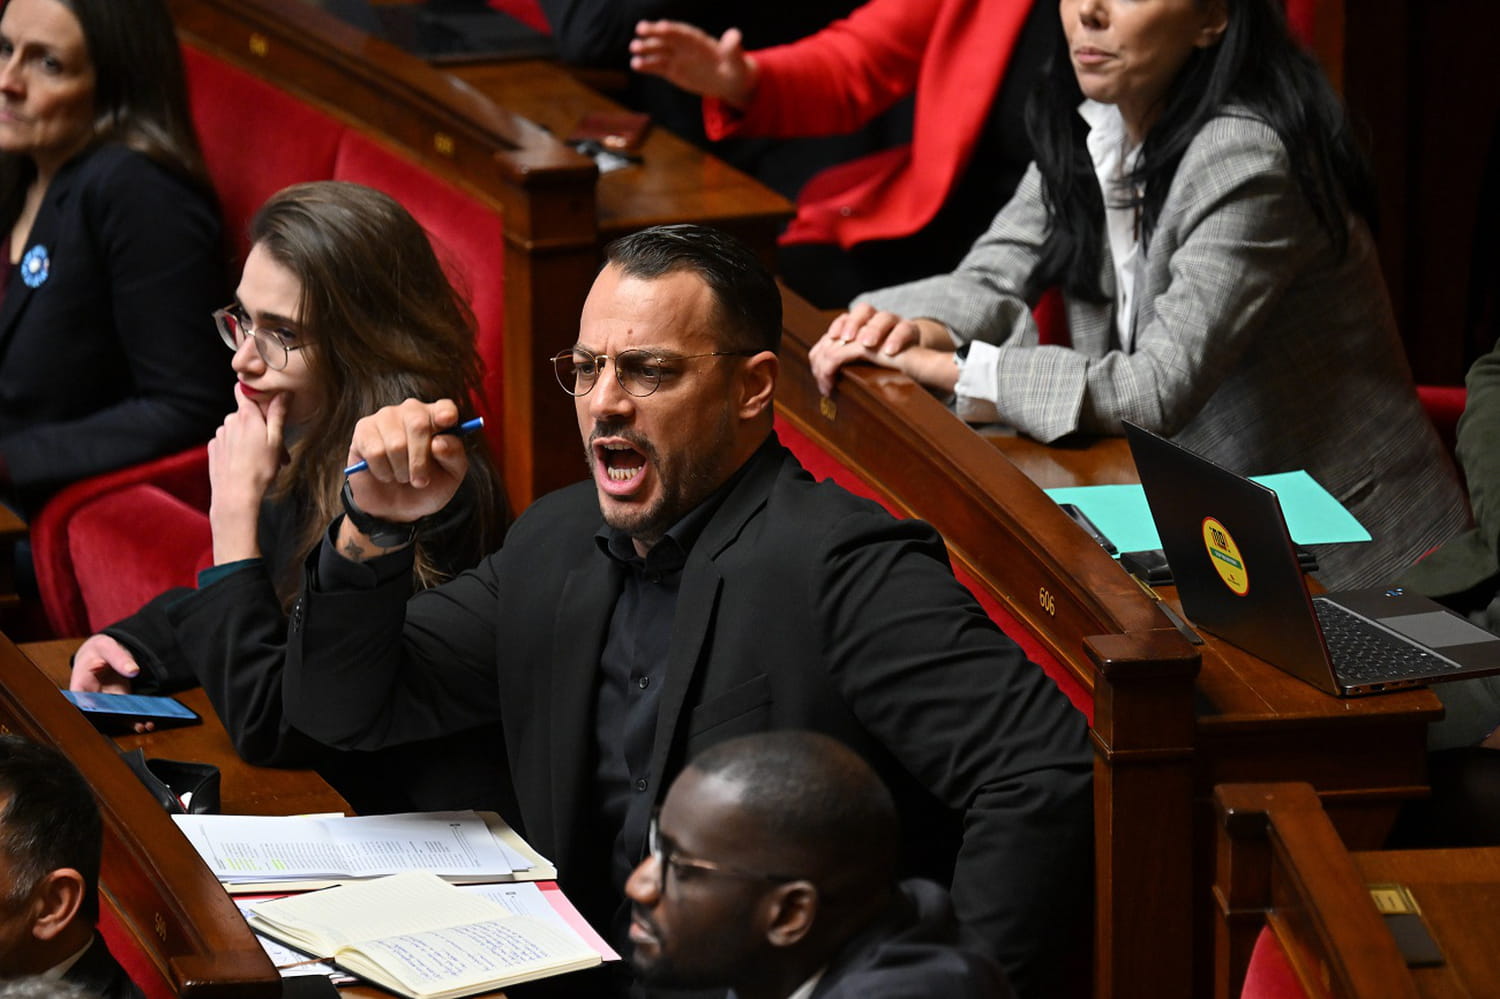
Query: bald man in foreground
[{"x": 770, "y": 870}]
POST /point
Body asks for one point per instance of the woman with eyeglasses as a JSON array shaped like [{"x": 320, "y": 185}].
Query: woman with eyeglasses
[
  {"x": 342, "y": 308},
  {"x": 1199, "y": 199},
  {"x": 114, "y": 258}
]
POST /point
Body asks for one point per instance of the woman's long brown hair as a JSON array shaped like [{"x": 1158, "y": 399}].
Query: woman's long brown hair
[{"x": 384, "y": 325}]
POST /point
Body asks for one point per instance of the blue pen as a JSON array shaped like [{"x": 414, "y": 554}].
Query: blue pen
[{"x": 464, "y": 429}]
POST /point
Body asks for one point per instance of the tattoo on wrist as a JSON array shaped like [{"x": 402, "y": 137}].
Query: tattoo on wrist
[{"x": 353, "y": 550}]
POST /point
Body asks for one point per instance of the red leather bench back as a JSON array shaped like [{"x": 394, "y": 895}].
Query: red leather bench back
[{"x": 258, "y": 138}]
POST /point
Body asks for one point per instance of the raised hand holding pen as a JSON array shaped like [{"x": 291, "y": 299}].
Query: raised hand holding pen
[{"x": 412, "y": 468}]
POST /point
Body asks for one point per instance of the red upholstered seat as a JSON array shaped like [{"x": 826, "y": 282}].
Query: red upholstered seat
[
  {"x": 104, "y": 546},
  {"x": 130, "y": 544}
]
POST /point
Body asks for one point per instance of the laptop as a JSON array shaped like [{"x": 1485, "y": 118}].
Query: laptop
[
  {"x": 1237, "y": 576},
  {"x": 446, "y": 31}
]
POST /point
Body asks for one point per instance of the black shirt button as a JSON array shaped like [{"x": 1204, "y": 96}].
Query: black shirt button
[
  {"x": 640, "y": 784},
  {"x": 643, "y": 682}
]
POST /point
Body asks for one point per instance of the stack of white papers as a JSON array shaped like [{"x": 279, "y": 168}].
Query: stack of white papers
[{"x": 255, "y": 853}]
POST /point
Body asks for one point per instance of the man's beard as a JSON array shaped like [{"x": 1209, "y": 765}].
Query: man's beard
[{"x": 681, "y": 485}]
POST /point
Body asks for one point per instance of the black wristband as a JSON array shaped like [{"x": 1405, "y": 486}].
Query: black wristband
[{"x": 382, "y": 533}]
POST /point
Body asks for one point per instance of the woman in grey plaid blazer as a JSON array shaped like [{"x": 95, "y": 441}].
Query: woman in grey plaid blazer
[{"x": 1199, "y": 201}]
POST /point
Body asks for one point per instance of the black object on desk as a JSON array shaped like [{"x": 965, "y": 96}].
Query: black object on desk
[{"x": 1150, "y": 565}]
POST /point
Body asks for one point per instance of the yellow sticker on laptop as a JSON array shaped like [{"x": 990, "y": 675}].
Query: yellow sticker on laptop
[{"x": 1224, "y": 556}]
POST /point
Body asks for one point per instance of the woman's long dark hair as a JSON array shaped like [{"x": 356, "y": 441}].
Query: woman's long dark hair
[
  {"x": 140, "y": 97},
  {"x": 385, "y": 325},
  {"x": 1257, "y": 66}
]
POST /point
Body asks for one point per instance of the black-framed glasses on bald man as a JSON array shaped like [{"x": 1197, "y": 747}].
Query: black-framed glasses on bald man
[
  {"x": 272, "y": 345},
  {"x": 639, "y": 372}
]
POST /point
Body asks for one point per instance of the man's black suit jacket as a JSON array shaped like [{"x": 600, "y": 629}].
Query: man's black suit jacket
[
  {"x": 113, "y": 359},
  {"x": 801, "y": 607},
  {"x": 916, "y": 950}
]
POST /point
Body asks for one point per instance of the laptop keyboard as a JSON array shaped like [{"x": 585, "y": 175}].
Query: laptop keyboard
[{"x": 1362, "y": 652}]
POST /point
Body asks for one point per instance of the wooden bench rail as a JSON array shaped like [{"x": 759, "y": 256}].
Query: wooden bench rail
[
  {"x": 1281, "y": 863},
  {"x": 998, "y": 524},
  {"x": 544, "y": 190},
  {"x": 1042, "y": 568},
  {"x": 151, "y": 875}
]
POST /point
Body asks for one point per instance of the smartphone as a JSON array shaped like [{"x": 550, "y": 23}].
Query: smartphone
[{"x": 115, "y": 713}]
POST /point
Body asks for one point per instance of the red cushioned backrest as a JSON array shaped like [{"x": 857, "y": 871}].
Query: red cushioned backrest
[
  {"x": 468, "y": 236},
  {"x": 256, "y": 138},
  {"x": 129, "y": 545},
  {"x": 183, "y": 475},
  {"x": 822, "y": 465},
  {"x": 1444, "y": 404},
  {"x": 525, "y": 11},
  {"x": 1300, "y": 17}
]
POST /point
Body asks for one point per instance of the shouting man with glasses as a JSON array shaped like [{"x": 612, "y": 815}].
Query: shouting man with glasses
[
  {"x": 700, "y": 587},
  {"x": 806, "y": 906}
]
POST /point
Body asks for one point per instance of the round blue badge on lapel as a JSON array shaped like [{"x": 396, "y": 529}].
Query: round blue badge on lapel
[{"x": 35, "y": 265}]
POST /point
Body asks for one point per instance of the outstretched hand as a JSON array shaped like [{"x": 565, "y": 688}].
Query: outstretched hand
[{"x": 693, "y": 60}]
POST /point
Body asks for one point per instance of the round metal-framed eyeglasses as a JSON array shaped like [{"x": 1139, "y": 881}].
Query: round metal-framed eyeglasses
[
  {"x": 639, "y": 372},
  {"x": 272, "y": 346}
]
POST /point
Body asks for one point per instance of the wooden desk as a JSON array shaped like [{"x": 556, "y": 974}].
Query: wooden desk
[
  {"x": 675, "y": 180},
  {"x": 1282, "y": 864},
  {"x": 244, "y": 789},
  {"x": 1255, "y": 722},
  {"x": 1170, "y": 720},
  {"x": 149, "y": 875},
  {"x": 1459, "y": 894}
]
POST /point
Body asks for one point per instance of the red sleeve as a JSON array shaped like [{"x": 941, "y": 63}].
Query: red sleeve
[{"x": 836, "y": 80}]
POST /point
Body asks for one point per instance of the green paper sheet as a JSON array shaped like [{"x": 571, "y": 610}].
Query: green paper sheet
[{"x": 1313, "y": 516}]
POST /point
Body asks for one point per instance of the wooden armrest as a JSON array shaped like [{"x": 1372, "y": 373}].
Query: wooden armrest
[
  {"x": 1281, "y": 863},
  {"x": 164, "y": 894}
]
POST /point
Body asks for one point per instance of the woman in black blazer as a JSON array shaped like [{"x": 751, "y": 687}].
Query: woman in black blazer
[{"x": 108, "y": 353}]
